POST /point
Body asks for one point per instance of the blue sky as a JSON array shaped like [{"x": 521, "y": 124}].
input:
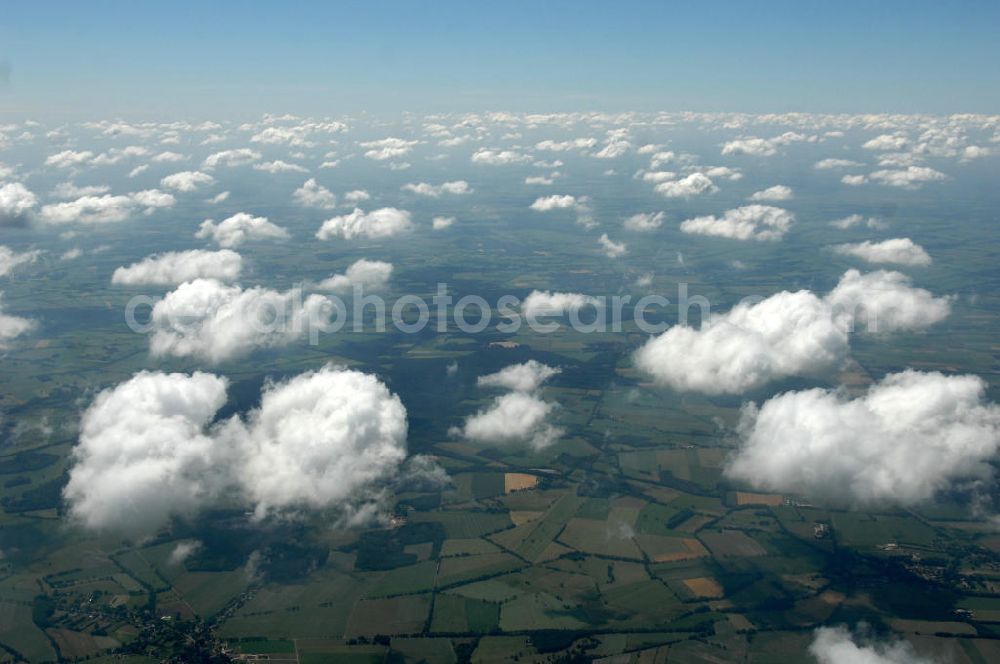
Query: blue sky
[{"x": 242, "y": 59}]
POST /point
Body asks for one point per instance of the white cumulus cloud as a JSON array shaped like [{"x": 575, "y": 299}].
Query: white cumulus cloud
[
  {"x": 750, "y": 222},
  {"x": 369, "y": 275},
  {"x": 456, "y": 187},
  {"x": 176, "y": 267},
  {"x": 900, "y": 250},
  {"x": 187, "y": 181},
  {"x": 786, "y": 334},
  {"x": 644, "y": 222},
  {"x": 380, "y": 223},
  {"x": 909, "y": 436},
  {"x": 239, "y": 228},
  {"x": 778, "y": 192},
  {"x": 327, "y": 439},
  {"x": 209, "y": 320},
  {"x": 314, "y": 195},
  {"x": 688, "y": 186}
]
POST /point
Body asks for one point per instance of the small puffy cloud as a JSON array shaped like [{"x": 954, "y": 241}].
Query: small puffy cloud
[
  {"x": 611, "y": 248},
  {"x": 218, "y": 198},
  {"x": 971, "y": 152},
  {"x": 106, "y": 209},
  {"x": 832, "y": 163},
  {"x": 147, "y": 453},
  {"x": 512, "y": 418},
  {"x": 116, "y": 155},
  {"x": 380, "y": 223},
  {"x": 613, "y": 149},
  {"x": 660, "y": 158},
  {"x": 168, "y": 157},
  {"x": 520, "y": 416},
  {"x": 658, "y": 176},
  {"x": 540, "y": 180},
  {"x": 237, "y": 157},
  {"x": 786, "y": 334},
  {"x": 724, "y": 172},
  {"x": 547, "y": 303},
  {"x": 388, "y": 148},
  {"x": 239, "y": 228},
  {"x": 314, "y": 195},
  {"x": 369, "y": 275},
  {"x": 499, "y": 157},
  {"x": 10, "y": 259},
  {"x": 456, "y": 187},
  {"x": 688, "y": 186},
  {"x": 441, "y": 223},
  {"x": 852, "y": 220},
  {"x": 778, "y": 192},
  {"x": 763, "y": 147},
  {"x": 561, "y": 146},
  {"x": 176, "y": 267},
  {"x": 12, "y": 327},
  {"x": 356, "y": 196},
  {"x": 758, "y": 147},
  {"x": 911, "y": 177},
  {"x": 182, "y": 551},
  {"x": 525, "y": 377},
  {"x": 644, "y": 222},
  {"x": 187, "y": 181},
  {"x": 69, "y": 158},
  {"x": 554, "y": 202},
  {"x": 209, "y": 320},
  {"x": 900, "y": 250},
  {"x": 750, "y": 222},
  {"x": 854, "y": 180},
  {"x": 908, "y": 437},
  {"x": 71, "y": 190},
  {"x": 886, "y": 143},
  {"x": 16, "y": 203},
  {"x": 279, "y": 166},
  {"x": 886, "y": 302}
]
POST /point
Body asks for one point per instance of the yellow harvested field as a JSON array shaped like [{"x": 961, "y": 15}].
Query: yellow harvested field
[
  {"x": 748, "y": 498},
  {"x": 704, "y": 587},
  {"x": 692, "y": 549},
  {"x": 518, "y": 482},
  {"x": 740, "y": 621},
  {"x": 519, "y": 517}
]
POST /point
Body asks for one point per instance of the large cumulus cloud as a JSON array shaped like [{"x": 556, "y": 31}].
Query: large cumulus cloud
[
  {"x": 786, "y": 334},
  {"x": 144, "y": 454},
  {"x": 319, "y": 439},
  {"x": 209, "y": 320},
  {"x": 148, "y": 450},
  {"x": 836, "y": 645},
  {"x": 909, "y": 436}
]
